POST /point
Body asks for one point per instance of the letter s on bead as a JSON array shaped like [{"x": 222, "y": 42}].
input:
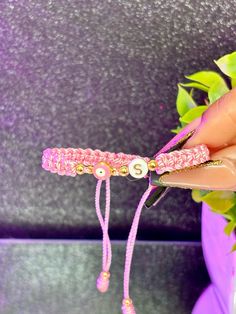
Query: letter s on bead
[{"x": 138, "y": 168}]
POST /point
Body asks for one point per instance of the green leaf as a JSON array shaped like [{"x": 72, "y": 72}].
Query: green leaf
[
  {"x": 220, "y": 201},
  {"x": 191, "y": 92},
  {"x": 196, "y": 85},
  {"x": 207, "y": 78},
  {"x": 177, "y": 130},
  {"x": 227, "y": 64},
  {"x": 196, "y": 196},
  {"x": 229, "y": 228},
  {"x": 184, "y": 101},
  {"x": 204, "y": 192},
  {"x": 192, "y": 114},
  {"x": 231, "y": 213},
  {"x": 233, "y": 249},
  {"x": 183, "y": 124},
  {"x": 233, "y": 82},
  {"x": 217, "y": 90}
]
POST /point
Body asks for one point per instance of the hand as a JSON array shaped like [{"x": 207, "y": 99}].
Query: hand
[{"x": 217, "y": 129}]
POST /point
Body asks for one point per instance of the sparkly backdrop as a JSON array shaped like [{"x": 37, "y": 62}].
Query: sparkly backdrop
[{"x": 99, "y": 74}]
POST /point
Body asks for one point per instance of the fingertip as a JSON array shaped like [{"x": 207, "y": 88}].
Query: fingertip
[{"x": 194, "y": 141}]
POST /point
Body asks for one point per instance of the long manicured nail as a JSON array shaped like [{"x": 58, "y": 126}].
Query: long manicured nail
[{"x": 213, "y": 175}]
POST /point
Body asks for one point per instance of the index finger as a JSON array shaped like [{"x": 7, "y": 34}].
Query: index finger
[
  {"x": 217, "y": 128},
  {"x": 190, "y": 127}
]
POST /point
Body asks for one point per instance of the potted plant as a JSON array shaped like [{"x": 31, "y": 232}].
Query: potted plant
[{"x": 218, "y": 207}]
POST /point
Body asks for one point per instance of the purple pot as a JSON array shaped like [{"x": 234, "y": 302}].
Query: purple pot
[{"x": 220, "y": 296}]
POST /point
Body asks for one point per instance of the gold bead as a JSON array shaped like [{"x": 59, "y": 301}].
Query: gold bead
[
  {"x": 127, "y": 302},
  {"x": 152, "y": 165},
  {"x": 114, "y": 171},
  {"x": 90, "y": 169},
  {"x": 80, "y": 169},
  {"x": 124, "y": 171},
  {"x": 105, "y": 274}
]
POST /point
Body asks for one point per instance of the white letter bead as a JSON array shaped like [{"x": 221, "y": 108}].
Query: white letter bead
[{"x": 138, "y": 168}]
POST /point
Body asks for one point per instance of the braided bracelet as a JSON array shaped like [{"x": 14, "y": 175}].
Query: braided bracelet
[
  {"x": 72, "y": 161},
  {"x": 103, "y": 165}
]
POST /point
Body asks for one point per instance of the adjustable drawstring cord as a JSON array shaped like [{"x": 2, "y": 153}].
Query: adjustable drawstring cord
[
  {"x": 103, "y": 278},
  {"x": 127, "y": 304}
]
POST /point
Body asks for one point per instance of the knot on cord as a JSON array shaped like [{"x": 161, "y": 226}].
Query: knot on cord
[
  {"x": 128, "y": 307},
  {"x": 103, "y": 281}
]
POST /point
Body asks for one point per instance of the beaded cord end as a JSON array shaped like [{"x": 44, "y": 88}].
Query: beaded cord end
[
  {"x": 104, "y": 277},
  {"x": 128, "y": 307},
  {"x": 103, "y": 281},
  {"x": 127, "y": 304}
]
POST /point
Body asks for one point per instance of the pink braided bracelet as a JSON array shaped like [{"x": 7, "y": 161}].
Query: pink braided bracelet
[
  {"x": 103, "y": 165},
  {"x": 72, "y": 161}
]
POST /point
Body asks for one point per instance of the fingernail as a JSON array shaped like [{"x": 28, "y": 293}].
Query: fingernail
[
  {"x": 173, "y": 179},
  {"x": 218, "y": 175}
]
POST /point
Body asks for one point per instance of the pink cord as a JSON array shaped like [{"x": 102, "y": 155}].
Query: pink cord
[
  {"x": 183, "y": 158},
  {"x": 127, "y": 305},
  {"x": 64, "y": 160},
  {"x": 103, "y": 278}
]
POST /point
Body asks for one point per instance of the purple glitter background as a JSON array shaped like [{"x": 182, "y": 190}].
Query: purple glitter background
[
  {"x": 96, "y": 74},
  {"x": 99, "y": 74}
]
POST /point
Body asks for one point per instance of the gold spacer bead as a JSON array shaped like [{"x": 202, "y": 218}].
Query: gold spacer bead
[
  {"x": 127, "y": 302},
  {"x": 90, "y": 169},
  {"x": 152, "y": 165},
  {"x": 105, "y": 274},
  {"x": 114, "y": 171},
  {"x": 123, "y": 171},
  {"x": 80, "y": 169}
]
